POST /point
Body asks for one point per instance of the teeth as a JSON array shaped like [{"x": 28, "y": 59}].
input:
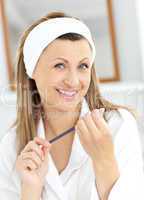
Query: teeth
[{"x": 67, "y": 93}]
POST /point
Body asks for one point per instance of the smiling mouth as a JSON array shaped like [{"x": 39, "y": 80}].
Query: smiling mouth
[{"x": 68, "y": 95}]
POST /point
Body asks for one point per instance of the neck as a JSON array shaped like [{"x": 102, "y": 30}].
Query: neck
[{"x": 56, "y": 121}]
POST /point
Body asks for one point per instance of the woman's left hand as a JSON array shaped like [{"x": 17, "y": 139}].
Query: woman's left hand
[{"x": 96, "y": 138}]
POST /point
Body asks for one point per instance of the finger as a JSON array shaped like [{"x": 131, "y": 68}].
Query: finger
[
  {"x": 41, "y": 141},
  {"x": 32, "y": 146},
  {"x": 82, "y": 141},
  {"x": 33, "y": 156},
  {"x": 46, "y": 150},
  {"x": 29, "y": 164},
  {"x": 91, "y": 126},
  {"x": 102, "y": 110},
  {"x": 82, "y": 130},
  {"x": 99, "y": 121}
]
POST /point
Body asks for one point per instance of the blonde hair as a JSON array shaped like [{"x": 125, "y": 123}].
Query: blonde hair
[{"x": 28, "y": 115}]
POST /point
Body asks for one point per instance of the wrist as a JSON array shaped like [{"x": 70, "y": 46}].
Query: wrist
[
  {"x": 106, "y": 176},
  {"x": 32, "y": 185},
  {"x": 31, "y": 192}
]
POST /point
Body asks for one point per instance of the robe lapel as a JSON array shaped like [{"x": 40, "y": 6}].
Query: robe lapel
[
  {"x": 77, "y": 158},
  {"x": 52, "y": 178}
]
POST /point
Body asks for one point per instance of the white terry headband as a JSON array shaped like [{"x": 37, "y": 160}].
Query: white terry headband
[{"x": 44, "y": 33}]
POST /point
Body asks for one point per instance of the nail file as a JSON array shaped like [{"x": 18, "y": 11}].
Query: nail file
[
  {"x": 113, "y": 119},
  {"x": 62, "y": 134}
]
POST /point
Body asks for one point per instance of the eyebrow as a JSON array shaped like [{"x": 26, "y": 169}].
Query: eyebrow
[{"x": 67, "y": 60}]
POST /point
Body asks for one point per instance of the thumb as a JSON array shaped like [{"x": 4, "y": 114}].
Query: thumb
[{"x": 46, "y": 151}]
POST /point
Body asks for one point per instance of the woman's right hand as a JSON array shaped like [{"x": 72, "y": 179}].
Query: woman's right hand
[{"x": 32, "y": 163}]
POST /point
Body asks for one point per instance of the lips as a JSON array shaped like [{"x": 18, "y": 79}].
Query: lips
[{"x": 66, "y": 93}]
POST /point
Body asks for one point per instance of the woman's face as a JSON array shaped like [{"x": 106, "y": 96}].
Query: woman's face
[{"x": 63, "y": 73}]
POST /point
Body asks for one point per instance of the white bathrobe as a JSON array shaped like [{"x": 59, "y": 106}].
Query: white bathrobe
[{"x": 77, "y": 180}]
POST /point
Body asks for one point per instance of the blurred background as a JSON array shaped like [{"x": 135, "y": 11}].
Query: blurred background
[{"x": 118, "y": 30}]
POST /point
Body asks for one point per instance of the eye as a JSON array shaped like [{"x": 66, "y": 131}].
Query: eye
[
  {"x": 59, "y": 65},
  {"x": 84, "y": 64}
]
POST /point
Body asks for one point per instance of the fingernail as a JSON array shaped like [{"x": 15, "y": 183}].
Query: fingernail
[
  {"x": 97, "y": 113},
  {"x": 102, "y": 111},
  {"x": 42, "y": 154},
  {"x": 42, "y": 157},
  {"x": 89, "y": 112},
  {"x": 47, "y": 144}
]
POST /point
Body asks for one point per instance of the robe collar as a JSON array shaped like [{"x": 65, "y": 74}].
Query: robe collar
[{"x": 77, "y": 158}]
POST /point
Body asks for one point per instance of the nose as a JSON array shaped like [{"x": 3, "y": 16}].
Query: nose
[{"x": 72, "y": 79}]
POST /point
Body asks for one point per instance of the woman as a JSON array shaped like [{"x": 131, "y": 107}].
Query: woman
[{"x": 57, "y": 89}]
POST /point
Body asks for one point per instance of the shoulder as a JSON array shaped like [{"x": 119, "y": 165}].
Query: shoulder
[
  {"x": 8, "y": 148},
  {"x": 125, "y": 131},
  {"x": 8, "y": 141},
  {"x": 129, "y": 121},
  {"x": 123, "y": 126},
  {"x": 120, "y": 119},
  {"x": 121, "y": 113},
  {"x": 127, "y": 115},
  {"x": 9, "y": 178}
]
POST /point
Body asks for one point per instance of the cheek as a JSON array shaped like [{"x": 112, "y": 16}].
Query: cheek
[
  {"x": 85, "y": 83},
  {"x": 47, "y": 83},
  {"x": 85, "y": 80},
  {"x": 43, "y": 86},
  {"x": 47, "y": 80}
]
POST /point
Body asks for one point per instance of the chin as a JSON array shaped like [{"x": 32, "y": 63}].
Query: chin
[{"x": 65, "y": 107}]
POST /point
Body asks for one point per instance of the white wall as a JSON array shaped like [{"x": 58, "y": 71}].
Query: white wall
[
  {"x": 128, "y": 41},
  {"x": 3, "y": 68},
  {"x": 126, "y": 25},
  {"x": 140, "y": 16}
]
